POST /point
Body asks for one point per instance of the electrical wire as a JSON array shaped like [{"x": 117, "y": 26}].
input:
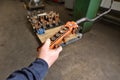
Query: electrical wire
[{"x": 94, "y": 19}]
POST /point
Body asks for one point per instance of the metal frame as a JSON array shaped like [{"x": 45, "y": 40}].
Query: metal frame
[{"x": 86, "y": 8}]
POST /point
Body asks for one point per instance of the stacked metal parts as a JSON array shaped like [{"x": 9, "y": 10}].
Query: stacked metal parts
[
  {"x": 42, "y": 21},
  {"x": 60, "y": 37}
]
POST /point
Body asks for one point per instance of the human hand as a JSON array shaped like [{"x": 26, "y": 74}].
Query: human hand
[{"x": 47, "y": 54}]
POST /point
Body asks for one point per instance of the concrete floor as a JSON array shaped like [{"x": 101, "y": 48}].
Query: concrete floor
[{"x": 95, "y": 57}]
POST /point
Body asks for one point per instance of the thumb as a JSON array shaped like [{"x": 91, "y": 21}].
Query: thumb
[{"x": 47, "y": 44}]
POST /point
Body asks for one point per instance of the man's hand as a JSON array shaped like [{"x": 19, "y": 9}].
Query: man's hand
[{"x": 47, "y": 54}]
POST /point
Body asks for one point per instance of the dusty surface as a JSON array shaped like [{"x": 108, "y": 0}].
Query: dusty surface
[{"x": 95, "y": 57}]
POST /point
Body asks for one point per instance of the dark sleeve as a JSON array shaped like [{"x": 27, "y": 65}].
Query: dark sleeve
[{"x": 36, "y": 71}]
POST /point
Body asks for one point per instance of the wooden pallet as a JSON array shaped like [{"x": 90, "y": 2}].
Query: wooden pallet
[{"x": 49, "y": 33}]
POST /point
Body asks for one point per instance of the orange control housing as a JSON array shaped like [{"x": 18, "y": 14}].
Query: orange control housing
[{"x": 59, "y": 37}]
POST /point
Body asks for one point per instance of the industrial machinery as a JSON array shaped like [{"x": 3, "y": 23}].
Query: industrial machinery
[
  {"x": 34, "y": 4},
  {"x": 59, "y": 37},
  {"x": 42, "y": 21},
  {"x": 71, "y": 28}
]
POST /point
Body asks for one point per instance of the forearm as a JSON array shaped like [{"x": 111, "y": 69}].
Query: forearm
[{"x": 36, "y": 71}]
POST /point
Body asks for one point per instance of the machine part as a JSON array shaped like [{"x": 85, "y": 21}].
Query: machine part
[
  {"x": 43, "y": 14},
  {"x": 71, "y": 28},
  {"x": 41, "y": 31},
  {"x": 73, "y": 40},
  {"x": 34, "y": 4},
  {"x": 85, "y": 8},
  {"x": 59, "y": 37},
  {"x": 46, "y": 20},
  {"x": 90, "y": 17},
  {"x": 94, "y": 19},
  {"x": 61, "y": 31},
  {"x": 37, "y": 2}
]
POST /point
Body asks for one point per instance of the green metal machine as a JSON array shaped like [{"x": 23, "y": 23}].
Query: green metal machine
[{"x": 86, "y": 8}]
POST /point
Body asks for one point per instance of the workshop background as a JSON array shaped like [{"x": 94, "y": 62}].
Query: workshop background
[{"x": 94, "y": 57}]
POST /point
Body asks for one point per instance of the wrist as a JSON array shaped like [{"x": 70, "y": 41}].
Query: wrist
[{"x": 44, "y": 61}]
